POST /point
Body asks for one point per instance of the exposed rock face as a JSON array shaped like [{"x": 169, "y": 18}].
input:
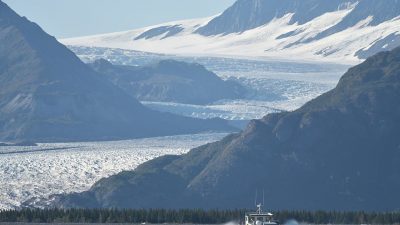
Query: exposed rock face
[
  {"x": 48, "y": 94},
  {"x": 248, "y": 14},
  {"x": 340, "y": 151},
  {"x": 341, "y": 31}
]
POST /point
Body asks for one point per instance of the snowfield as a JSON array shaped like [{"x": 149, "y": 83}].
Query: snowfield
[
  {"x": 278, "y": 39},
  {"x": 54, "y": 168}
]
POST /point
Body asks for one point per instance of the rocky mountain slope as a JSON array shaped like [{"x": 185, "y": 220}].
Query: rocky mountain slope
[
  {"x": 345, "y": 31},
  {"x": 170, "y": 81},
  {"x": 48, "y": 94},
  {"x": 339, "y": 151}
]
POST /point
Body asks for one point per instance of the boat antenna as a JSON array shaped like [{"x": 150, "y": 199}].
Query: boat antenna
[
  {"x": 263, "y": 198},
  {"x": 255, "y": 199}
]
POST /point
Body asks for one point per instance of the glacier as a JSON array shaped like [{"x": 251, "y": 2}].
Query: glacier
[
  {"x": 35, "y": 173},
  {"x": 273, "y": 85}
]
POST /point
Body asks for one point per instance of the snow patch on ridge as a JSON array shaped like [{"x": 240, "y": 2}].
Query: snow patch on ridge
[{"x": 277, "y": 39}]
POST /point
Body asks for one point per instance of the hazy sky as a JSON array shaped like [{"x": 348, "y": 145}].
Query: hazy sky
[{"x": 71, "y": 18}]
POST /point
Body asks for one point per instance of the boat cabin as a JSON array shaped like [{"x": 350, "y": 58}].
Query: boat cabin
[{"x": 260, "y": 218}]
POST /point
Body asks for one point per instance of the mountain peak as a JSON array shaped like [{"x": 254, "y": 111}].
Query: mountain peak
[
  {"x": 6, "y": 12},
  {"x": 248, "y": 14},
  {"x": 342, "y": 31},
  {"x": 48, "y": 94}
]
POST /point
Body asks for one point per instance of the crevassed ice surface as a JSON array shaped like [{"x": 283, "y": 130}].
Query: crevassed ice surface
[
  {"x": 273, "y": 85},
  {"x": 54, "y": 168},
  {"x": 36, "y": 172}
]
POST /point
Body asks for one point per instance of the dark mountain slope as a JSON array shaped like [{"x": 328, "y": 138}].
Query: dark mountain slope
[
  {"x": 340, "y": 151},
  {"x": 48, "y": 94},
  {"x": 170, "y": 81}
]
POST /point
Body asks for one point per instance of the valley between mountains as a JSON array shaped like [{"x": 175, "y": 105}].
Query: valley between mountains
[{"x": 299, "y": 98}]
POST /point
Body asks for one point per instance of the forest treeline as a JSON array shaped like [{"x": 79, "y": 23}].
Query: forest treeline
[{"x": 192, "y": 216}]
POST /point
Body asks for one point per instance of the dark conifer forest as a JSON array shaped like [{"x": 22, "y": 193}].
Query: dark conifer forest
[{"x": 191, "y": 216}]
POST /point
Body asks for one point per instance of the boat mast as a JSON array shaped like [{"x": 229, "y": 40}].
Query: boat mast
[{"x": 259, "y": 205}]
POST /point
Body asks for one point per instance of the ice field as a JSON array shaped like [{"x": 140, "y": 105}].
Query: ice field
[
  {"x": 53, "y": 168},
  {"x": 273, "y": 85},
  {"x": 27, "y": 173}
]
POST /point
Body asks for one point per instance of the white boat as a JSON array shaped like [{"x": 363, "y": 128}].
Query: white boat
[{"x": 260, "y": 218}]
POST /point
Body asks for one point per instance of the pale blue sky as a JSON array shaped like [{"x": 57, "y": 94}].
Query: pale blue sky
[{"x": 71, "y": 18}]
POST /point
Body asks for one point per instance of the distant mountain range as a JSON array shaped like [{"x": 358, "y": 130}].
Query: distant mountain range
[
  {"x": 48, "y": 94},
  {"x": 345, "y": 31},
  {"x": 170, "y": 81},
  {"x": 339, "y": 151}
]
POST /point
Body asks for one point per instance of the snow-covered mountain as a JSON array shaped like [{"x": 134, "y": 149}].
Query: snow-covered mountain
[{"x": 335, "y": 30}]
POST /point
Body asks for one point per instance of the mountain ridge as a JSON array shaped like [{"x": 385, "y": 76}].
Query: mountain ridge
[
  {"x": 303, "y": 12},
  {"x": 339, "y": 151},
  {"x": 260, "y": 12},
  {"x": 336, "y": 31},
  {"x": 48, "y": 94},
  {"x": 170, "y": 81}
]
